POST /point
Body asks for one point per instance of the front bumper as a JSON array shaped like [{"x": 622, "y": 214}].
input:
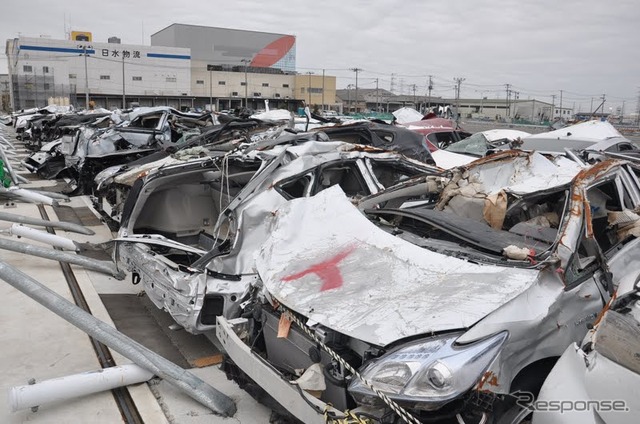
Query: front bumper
[
  {"x": 309, "y": 410},
  {"x": 193, "y": 300}
]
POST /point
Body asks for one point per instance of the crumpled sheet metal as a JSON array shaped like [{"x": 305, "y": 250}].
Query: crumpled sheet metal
[
  {"x": 129, "y": 177},
  {"x": 522, "y": 174},
  {"x": 326, "y": 260},
  {"x": 481, "y": 191},
  {"x": 255, "y": 213}
]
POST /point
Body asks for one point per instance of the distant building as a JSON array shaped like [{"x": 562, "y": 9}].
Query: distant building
[
  {"x": 381, "y": 100},
  {"x": 229, "y": 65},
  {"x": 370, "y": 99},
  {"x": 5, "y": 96},
  {"x": 185, "y": 66},
  {"x": 41, "y": 69}
]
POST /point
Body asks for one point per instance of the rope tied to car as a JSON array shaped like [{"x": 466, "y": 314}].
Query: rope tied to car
[
  {"x": 349, "y": 418},
  {"x": 404, "y": 415}
]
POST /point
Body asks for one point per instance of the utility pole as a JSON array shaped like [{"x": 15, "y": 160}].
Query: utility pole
[
  {"x": 508, "y": 114},
  {"x": 246, "y": 62},
  {"x": 414, "y": 96},
  {"x": 377, "y": 97},
  {"x": 458, "y": 83},
  {"x": 35, "y": 84},
  {"x": 533, "y": 110},
  {"x": 553, "y": 106},
  {"x": 124, "y": 101},
  {"x": 86, "y": 80},
  {"x": 309, "y": 88},
  {"x": 356, "y": 70},
  {"x": 211, "y": 90},
  {"x": 591, "y": 108},
  {"x": 561, "y": 111},
  {"x": 323, "y": 90},
  {"x": 393, "y": 83},
  {"x": 638, "y": 110},
  {"x": 430, "y": 87}
]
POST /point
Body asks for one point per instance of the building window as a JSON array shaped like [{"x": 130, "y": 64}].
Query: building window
[
  {"x": 234, "y": 93},
  {"x": 46, "y": 85},
  {"x": 45, "y": 69},
  {"x": 256, "y": 94},
  {"x": 302, "y": 90},
  {"x": 200, "y": 82},
  {"x": 136, "y": 78},
  {"x": 265, "y": 84},
  {"x": 317, "y": 90},
  {"x": 171, "y": 79},
  {"x": 72, "y": 76},
  {"x": 105, "y": 77},
  {"x": 285, "y": 85},
  {"x": 221, "y": 82},
  {"x": 243, "y": 83},
  {"x": 27, "y": 68},
  {"x": 277, "y": 95}
]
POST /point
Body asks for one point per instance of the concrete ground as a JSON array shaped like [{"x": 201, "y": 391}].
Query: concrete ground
[{"x": 36, "y": 343}]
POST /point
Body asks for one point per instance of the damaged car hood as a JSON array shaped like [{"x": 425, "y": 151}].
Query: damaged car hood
[{"x": 327, "y": 261}]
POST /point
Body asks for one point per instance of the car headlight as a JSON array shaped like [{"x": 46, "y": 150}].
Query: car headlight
[{"x": 427, "y": 373}]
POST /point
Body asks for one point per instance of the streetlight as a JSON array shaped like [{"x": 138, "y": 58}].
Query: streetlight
[
  {"x": 210, "y": 68},
  {"x": 481, "y": 100},
  {"x": 323, "y": 90},
  {"x": 86, "y": 79},
  {"x": 309, "y": 86},
  {"x": 246, "y": 62}
]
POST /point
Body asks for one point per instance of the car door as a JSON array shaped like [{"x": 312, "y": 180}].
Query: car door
[
  {"x": 621, "y": 248},
  {"x": 611, "y": 256}
]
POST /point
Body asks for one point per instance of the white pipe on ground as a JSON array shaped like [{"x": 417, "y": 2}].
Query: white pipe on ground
[
  {"x": 43, "y": 237},
  {"x": 29, "y": 196},
  {"x": 72, "y": 386}
]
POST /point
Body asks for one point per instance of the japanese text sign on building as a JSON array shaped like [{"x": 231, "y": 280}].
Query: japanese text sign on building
[{"x": 125, "y": 54}]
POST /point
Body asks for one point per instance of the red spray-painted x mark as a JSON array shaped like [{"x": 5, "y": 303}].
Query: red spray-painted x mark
[{"x": 327, "y": 271}]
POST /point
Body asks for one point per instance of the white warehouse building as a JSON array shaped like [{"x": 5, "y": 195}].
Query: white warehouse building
[{"x": 43, "y": 70}]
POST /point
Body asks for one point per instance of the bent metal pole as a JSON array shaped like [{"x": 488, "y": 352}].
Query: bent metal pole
[
  {"x": 184, "y": 380},
  {"x": 106, "y": 267},
  {"x": 67, "y": 226}
]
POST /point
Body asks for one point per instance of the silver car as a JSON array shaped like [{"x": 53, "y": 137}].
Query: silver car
[
  {"x": 434, "y": 301},
  {"x": 189, "y": 232}
]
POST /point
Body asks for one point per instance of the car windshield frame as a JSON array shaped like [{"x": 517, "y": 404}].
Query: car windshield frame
[{"x": 475, "y": 145}]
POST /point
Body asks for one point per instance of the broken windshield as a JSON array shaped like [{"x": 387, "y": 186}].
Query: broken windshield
[{"x": 431, "y": 223}]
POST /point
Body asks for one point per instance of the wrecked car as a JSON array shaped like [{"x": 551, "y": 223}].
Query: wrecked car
[
  {"x": 92, "y": 142},
  {"x": 432, "y": 302},
  {"x": 477, "y": 145},
  {"x": 439, "y": 132},
  {"x": 112, "y": 185},
  {"x": 598, "y": 381},
  {"x": 147, "y": 132},
  {"x": 383, "y": 136},
  {"x": 50, "y": 160},
  {"x": 189, "y": 231}
]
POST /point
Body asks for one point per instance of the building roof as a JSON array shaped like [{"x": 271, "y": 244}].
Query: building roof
[{"x": 206, "y": 27}]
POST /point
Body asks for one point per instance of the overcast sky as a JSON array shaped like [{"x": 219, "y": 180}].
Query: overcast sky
[{"x": 585, "y": 48}]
